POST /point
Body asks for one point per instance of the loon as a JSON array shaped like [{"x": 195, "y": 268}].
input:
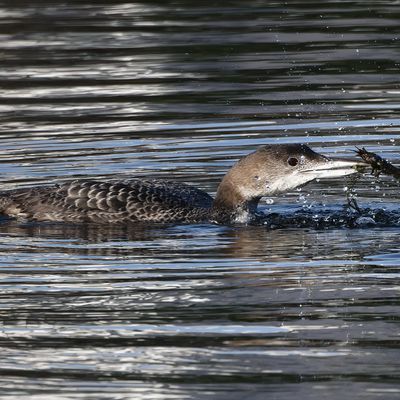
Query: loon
[{"x": 270, "y": 170}]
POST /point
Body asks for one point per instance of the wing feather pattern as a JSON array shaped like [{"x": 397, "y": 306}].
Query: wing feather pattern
[{"x": 129, "y": 200}]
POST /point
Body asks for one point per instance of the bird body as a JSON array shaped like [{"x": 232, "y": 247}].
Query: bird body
[{"x": 109, "y": 202}]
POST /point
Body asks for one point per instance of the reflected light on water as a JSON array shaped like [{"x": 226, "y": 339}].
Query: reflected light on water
[{"x": 181, "y": 91}]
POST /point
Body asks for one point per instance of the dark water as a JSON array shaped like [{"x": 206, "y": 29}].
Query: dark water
[{"x": 179, "y": 90}]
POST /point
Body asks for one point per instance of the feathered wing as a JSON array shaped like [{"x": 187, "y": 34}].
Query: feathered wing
[{"x": 129, "y": 200}]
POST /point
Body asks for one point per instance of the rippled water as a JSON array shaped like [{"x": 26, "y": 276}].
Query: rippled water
[{"x": 181, "y": 90}]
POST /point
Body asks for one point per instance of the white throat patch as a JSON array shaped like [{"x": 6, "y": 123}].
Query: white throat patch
[{"x": 292, "y": 181}]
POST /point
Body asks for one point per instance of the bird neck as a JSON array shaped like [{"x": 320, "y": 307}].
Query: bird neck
[{"x": 231, "y": 203}]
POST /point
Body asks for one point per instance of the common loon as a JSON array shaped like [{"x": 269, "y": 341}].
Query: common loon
[{"x": 272, "y": 169}]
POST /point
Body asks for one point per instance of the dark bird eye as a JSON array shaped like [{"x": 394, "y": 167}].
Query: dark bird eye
[{"x": 292, "y": 161}]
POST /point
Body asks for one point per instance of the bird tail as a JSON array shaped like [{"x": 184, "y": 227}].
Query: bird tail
[{"x": 5, "y": 202}]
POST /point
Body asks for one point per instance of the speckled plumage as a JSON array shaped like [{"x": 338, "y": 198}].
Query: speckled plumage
[{"x": 109, "y": 202}]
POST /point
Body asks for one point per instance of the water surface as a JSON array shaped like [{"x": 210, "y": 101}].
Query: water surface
[{"x": 181, "y": 90}]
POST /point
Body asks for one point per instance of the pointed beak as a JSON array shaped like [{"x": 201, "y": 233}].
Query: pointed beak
[{"x": 335, "y": 167}]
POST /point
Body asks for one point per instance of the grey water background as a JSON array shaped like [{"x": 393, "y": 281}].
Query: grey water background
[{"x": 180, "y": 90}]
